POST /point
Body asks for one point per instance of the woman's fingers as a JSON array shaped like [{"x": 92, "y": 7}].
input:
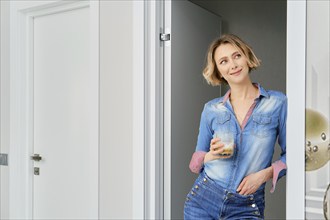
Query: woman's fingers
[
  {"x": 246, "y": 190},
  {"x": 247, "y": 186},
  {"x": 217, "y": 148},
  {"x": 243, "y": 188},
  {"x": 214, "y": 140},
  {"x": 240, "y": 187}
]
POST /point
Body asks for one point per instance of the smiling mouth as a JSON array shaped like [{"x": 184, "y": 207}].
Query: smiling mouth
[{"x": 236, "y": 73}]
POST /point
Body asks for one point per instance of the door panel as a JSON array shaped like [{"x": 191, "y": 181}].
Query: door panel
[
  {"x": 62, "y": 116},
  {"x": 193, "y": 29}
]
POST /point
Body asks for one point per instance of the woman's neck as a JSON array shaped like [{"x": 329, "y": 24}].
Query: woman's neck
[{"x": 242, "y": 92}]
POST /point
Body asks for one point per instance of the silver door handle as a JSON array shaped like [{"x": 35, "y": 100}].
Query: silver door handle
[{"x": 36, "y": 157}]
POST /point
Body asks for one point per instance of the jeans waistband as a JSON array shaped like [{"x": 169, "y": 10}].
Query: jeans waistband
[{"x": 207, "y": 181}]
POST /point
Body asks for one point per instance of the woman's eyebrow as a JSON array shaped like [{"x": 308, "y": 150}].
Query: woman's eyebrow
[
  {"x": 234, "y": 53},
  {"x": 237, "y": 52},
  {"x": 221, "y": 58}
]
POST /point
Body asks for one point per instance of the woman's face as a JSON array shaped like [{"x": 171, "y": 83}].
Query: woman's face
[{"x": 231, "y": 63}]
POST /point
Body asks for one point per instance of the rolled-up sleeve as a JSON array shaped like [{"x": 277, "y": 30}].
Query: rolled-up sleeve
[
  {"x": 203, "y": 143},
  {"x": 279, "y": 166}
]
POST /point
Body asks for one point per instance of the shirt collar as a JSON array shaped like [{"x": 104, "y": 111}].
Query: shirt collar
[{"x": 262, "y": 92}]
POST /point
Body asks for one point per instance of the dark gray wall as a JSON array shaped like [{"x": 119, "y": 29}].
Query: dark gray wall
[
  {"x": 262, "y": 24},
  {"x": 193, "y": 28}
]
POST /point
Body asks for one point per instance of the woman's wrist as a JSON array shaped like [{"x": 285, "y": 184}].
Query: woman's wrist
[
  {"x": 267, "y": 174},
  {"x": 208, "y": 157}
]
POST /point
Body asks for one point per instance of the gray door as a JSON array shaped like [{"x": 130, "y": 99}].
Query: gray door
[{"x": 193, "y": 29}]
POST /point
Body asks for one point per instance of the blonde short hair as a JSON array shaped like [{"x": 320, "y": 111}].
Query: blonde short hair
[{"x": 211, "y": 72}]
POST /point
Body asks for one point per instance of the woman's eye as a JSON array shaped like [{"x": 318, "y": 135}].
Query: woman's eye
[
  {"x": 237, "y": 56},
  {"x": 223, "y": 62}
]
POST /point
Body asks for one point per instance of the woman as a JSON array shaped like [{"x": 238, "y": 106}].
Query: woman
[{"x": 232, "y": 186}]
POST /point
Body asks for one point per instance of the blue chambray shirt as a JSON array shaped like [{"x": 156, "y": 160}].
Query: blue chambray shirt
[{"x": 254, "y": 144}]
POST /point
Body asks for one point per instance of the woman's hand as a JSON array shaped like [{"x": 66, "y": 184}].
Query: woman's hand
[
  {"x": 216, "y": 148},
  {"x": 252, "y": 182}
]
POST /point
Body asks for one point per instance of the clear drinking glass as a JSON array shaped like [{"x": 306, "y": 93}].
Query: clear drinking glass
[{"x": 228, "y": 140}]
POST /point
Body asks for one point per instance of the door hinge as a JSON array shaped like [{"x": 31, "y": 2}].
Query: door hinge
[
  {"x": 165, "y": 37},
  {"x": 4, "y": 159}
]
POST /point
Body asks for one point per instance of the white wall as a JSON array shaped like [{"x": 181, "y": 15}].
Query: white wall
[
  {"x": 262, "y": 24},
  {"x": 116, "y": 128}
]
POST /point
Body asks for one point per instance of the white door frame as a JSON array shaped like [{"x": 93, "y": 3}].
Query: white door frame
[
  {"x": 154, "y": 102},
  {"x": 21, "y": 105},
  {"x": 296, "y": 86},
  {"x": 4, "y": 106},
  {"x": 167, "y": 113}
]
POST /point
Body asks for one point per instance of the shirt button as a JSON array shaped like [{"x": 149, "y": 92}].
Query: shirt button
[
  {"x": 253, "y": 205},
  {"x": 196, "y": 187},
  {"x": 251, "y": 198},
  {"x": 256, "y": 212},
  {"x": 204, "y": 179},
  {"x": 192, "y": 193}
]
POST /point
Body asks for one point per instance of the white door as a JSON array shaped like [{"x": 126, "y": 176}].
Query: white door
[
  {"x": 60, "y": 98},
  {"x": 192, "y": 30}
]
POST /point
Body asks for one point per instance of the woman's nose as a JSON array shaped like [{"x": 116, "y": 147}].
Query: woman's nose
[{"x": 233, "y": 64}]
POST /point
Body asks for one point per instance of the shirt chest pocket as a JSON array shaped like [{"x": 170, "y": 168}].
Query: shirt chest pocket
[
  {"x": 264, "y": 126},
  {"x": 223, "y": 123}
]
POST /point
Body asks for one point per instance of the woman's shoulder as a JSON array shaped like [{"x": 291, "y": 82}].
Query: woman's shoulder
[
  {"x": 214, "y": 105},
  {"x": 277, "y": 94},
  {"x": 214, "y": 101}
]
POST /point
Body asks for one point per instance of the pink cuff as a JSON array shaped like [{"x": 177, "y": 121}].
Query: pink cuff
[
  {"x": 278, "y": 166},
  {"x": 197, "y": 161}
]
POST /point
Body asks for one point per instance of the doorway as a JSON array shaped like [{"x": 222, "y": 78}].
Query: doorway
[{"x": 262, "y": 24}]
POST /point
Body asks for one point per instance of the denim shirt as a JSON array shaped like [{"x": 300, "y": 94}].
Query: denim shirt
[{"x": 254, "y": 141}]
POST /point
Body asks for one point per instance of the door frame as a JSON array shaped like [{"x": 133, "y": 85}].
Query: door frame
[
  {"x": 4, "y": 106},
  {"x": 296, "y": 61},
  {"x": 154, "y": 110},
  {"x": 296, "y": 90},
  {"x": 21, "y": 105}
]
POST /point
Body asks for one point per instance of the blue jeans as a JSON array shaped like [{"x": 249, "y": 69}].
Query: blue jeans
[{"x": 208, "y": 200}]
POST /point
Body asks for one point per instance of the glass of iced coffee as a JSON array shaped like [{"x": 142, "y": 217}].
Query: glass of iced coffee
[{"x": 228, "y": 140}]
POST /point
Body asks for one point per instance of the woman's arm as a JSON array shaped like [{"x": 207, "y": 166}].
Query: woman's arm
[
  {"x": 252, "y": 182},
  {"x": 203, "y": 143},
  {"x": 201, "y": 157},
  {"x": 279, "y": 166}
]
